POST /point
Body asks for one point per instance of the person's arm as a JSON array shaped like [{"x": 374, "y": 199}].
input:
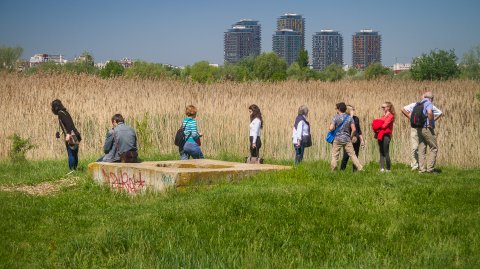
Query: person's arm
[
  {"x": 430, "y": 115},
  {"x": 388, "y": 121},
  {"x": 437, "y": 113},
  {"x": 406, "y": 113},
  {"x": 332, "y": 125},
  {"x": 354, "y": 129},
  {"x": 108, "y": 142}
]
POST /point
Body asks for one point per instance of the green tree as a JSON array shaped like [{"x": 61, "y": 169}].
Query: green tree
[
  {"x": 112, "y": 69},
  {"x": 438, "y": 65},
  {"x": 470, "y": 65},
  {"x": 87, "y": 58},
  {"x": 270, "y": 67},
  {"x": 302, "y": 58},
  {"x": 333, "y": 72},
  {"x": 203, "y": 72},
  {"x": 144, "y": 70},
  {"x": 235, "y": 72},
  {"x": 375, "y": 70},
  {"x": 9, "y": 57},
  {"x": 352, "y": 71}
]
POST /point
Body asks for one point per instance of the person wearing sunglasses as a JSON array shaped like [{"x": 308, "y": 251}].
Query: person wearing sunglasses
[{"x": 383, "y": 133}]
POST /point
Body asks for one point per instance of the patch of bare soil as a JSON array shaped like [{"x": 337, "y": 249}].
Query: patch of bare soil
[{"x": 42, "y": 189}]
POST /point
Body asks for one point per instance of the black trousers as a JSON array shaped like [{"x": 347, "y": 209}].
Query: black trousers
[
  {"x": 356, "y": 148},
  {"x": 254, "y": 152},
  {"x": 384, "y": 146}
]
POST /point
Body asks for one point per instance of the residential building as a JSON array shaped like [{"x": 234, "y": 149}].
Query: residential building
[
  {"x": 257, "y": 33},
  {"x": 294, "y": 22},
  {"x": 327, "y": 49},
  {"x": 238, "y": 43},
  {"x": 366, "y": 48},
  {"x": 287, "y": 44},
  {"x": 398, "y": 67},
  {"x": 43, "y": 58}
]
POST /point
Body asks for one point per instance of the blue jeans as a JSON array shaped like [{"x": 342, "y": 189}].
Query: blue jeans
[
  {"x": 299, "y": 153},
  {"x": 191, "y": 149},
  {"x": 72, "y": 157}
]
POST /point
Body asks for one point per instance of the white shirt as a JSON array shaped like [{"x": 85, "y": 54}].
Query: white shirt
[
  {"x": 302, "y": 129},
  {"x": 435, "y": 110},
  {"x": 255, "y": 129}
]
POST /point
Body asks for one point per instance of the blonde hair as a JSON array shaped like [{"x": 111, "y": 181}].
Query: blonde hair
[
  {"x": 349, "y": 109},
  {"x": 191, "y": 110},
  {"x": 390, "y": 107}
]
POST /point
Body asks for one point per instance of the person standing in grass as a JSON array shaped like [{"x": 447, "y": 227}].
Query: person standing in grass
[
  {"x": 192, "y": 135},
  {"x": 71, "y": 134},
  {"x": 414, "y": 142},
  {"x": 427, "y": 137},
  {"x": 357, "y": 139},
  {"x": 343, "y": 136},
  {"x": 383, "y": 130},
  {"x": 256, "y": 123},
  {"x": 301, "y": 132}
]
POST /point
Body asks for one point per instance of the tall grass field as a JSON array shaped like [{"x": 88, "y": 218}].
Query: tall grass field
[{"x": 223, "y": 114}]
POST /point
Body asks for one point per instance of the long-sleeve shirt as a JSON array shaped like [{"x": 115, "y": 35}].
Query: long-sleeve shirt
[
  {"x": 301, "y": 130},
  {"x": 67, "y": 124},
  {"x": 255, "y": 129},
  {"x": 190, "y": 129}
]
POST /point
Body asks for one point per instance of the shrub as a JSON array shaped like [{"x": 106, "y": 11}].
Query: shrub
[
  {"x": 144, "y": 70},
  {"x": 144, "y": 134},
  {"x": 19, "y": 149},
  {"x": 9, "y": 57},
  {"x": 203, "y": 72},
  {"x": 376, "y": 70},
  {"x": 112, "y": 69},
  {"x": 270, "y": 67},
  {"x": 333, "y": 72},
  {"x": 470, "y": 65}
]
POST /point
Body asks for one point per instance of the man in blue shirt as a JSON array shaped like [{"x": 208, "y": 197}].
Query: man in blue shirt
[{"x": 427, "y": 138}]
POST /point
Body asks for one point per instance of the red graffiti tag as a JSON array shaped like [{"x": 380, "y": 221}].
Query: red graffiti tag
[{"x": 124, "y": 181}]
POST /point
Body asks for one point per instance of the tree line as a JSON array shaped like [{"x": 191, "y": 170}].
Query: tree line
[{"x": 436, "y": 65}]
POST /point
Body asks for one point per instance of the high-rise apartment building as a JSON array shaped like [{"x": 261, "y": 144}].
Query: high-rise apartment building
[
  {"x": 327, "y": 48},
  {"x": 287, "y": 44},
  {"x": 257, "y": 33},
  {"x": 366, "y": 48},
  {"x": 242, "y": 40},
  {"x": 294, "y": 22}
]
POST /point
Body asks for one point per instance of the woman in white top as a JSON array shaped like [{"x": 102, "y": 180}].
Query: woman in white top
[
  {"x": 256, "y": 123},
  {"x": 301, "y": 129}
]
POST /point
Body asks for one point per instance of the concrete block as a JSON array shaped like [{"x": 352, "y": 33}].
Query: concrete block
[{"x": 158, "y": 176}]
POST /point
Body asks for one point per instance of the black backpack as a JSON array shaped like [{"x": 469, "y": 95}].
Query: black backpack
[
  {"x": 417, "y": 118},
  {"x": 180, "y": 137}
]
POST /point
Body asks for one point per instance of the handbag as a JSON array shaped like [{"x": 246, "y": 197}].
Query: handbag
[
  {"x": 331, "y": 134},
  {"x": 129, "y": 156},
  {"x": 307, "y": 141}
]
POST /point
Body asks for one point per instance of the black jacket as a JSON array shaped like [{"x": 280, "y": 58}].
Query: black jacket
[{"x": 66, "y": 120}]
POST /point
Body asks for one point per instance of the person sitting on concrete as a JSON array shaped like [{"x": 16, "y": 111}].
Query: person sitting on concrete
[{"x": 120, "y": 143}]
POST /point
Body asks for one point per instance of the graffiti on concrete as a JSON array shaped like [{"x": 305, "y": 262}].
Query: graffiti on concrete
[{"x": 129, "y": 182}]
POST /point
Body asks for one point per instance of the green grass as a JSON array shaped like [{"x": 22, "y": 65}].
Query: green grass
[{"x": 307, "y": 217}]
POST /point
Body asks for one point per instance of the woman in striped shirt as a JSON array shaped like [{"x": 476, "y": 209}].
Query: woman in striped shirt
[
  {"x": 192, "y": 135},
  {"x": 256, "y": 123}
]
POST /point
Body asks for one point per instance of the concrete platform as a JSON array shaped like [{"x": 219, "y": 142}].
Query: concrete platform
[{"x": 158, "y": 176}]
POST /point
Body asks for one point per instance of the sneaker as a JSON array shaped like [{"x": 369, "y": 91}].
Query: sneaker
[
  {"x": 382, "y": 170},
  {"x": 387, "y": 171},
  {"x": 414, "y": 168}
]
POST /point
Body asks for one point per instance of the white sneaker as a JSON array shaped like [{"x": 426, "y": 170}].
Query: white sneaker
[{"x": 382, "y": 170}]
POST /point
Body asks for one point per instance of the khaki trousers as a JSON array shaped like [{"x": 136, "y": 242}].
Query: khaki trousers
[
  {"x": 348, "y": 147},
  {"x": 414, "y": 148},
  {"x": 427, "y": 138}
]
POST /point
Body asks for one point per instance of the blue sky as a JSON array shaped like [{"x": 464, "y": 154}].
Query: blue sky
[{"x": 184, "y": 32}]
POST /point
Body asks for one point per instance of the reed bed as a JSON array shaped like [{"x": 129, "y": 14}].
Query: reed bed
[{"x": 223, "y": 113}]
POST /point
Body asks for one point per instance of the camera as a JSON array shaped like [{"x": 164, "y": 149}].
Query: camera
[{"x": 57, "y": 135}]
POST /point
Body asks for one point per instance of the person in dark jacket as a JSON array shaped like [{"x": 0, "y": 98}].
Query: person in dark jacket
[
  {"x": 357, "y": 139},
  {"x": 70, "y": 133},
  {"x": 120, "y": 139}
]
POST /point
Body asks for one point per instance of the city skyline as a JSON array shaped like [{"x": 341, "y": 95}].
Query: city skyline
[{"x": 163, "y": 32}]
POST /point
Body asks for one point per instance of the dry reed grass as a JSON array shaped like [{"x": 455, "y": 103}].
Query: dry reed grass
[{"x": 223, "y": 113}]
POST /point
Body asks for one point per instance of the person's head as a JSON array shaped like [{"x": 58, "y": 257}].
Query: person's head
[
  {"x": 191, "y": 111},
  {"x": 57, "y": 106},
  {"x": 342, "y": 107},
  {"x": 350, "y": 110},
  {"x": 303, "y": 110},
  {"x": 255, "y": 113},
  {"x": 429, "y": 96},
  {"x": 117, "y": 119},
  {"x": 388, "y": 107}
]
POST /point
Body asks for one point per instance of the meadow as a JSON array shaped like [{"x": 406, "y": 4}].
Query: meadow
[{"x": 223, "y": 114}]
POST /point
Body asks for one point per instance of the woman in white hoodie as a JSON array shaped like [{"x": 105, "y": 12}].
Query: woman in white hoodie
[
  {"x": 301, "y": 132},
  {"x": 256, "y": 123}
]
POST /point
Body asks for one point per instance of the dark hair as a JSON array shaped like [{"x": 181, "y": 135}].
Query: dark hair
[
  {"x": 256, "y": 113},
  {"x": 57, "y": 106},
  {"x": 342, "y": 107},
  {"x": 118, "y": 118}
]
